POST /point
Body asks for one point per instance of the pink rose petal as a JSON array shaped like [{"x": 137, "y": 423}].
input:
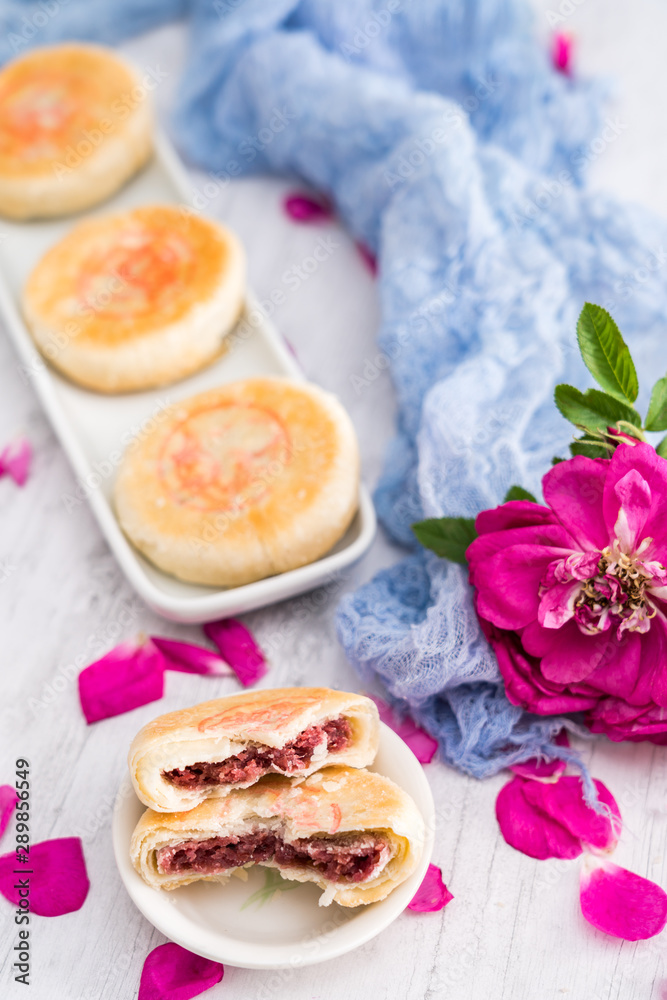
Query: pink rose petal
[
  {"x": 561, "y": 53},
  {"x": 238, "y": 648},
  {"x": 191, "y": 659},
  {"x": 368, "y": 257},
  {"x": 172, "y": 973},
  {"x": 493, "y": 543},
  {"x": 621, "y": 903},
  {"x": 642, "y": 459},
  {"x": 542, "y": 770},
  {"x": 422, "y": 745},
  {"x": 291, "y": 348},
  {"x": 303, "y": 208},
  {"x": 508, "y": 583},
  {"x": 565, "y": 659},
  {"x": 556, "y": 651},
  {"x": 58, "y": 881},
  {"x": 634, "y": 497},
  {"x": 574, "y": 490},
  {"x": 523, "y": 684},
  {"x": 8, "y": 800},
  {"x": 15, "y": 459},
  {"x": 513, "y": 514},
  {"x": 130, "y": 675},
  {"x": 564, "y": 802},
  {"x": 552, "y": 820},
  {"x": 528, "y": 829},
  {"x": 432, "y": 895}
]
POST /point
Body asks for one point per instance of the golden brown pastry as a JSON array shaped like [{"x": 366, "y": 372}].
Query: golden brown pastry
[
  {"x": 137, "y": 299},
  {"x": 182, "y": 758},
  {"x": 236, "y": 484},
  {"x": 75, "y": 124},
  {"x": 354, "y": 833}
]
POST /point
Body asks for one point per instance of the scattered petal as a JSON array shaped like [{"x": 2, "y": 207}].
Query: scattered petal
[
  {"x": 369, "y": 258},
  {"x": 15, "y": 459},
  {"x": 291, "y": 348},
  {"x": 57, "y": 873},
  {"x": 304, "y": 208},
  {"x": 422, "y": 745},
  {"x": 8, "y": 800},
  {"x": 172, "y": 973},
  {"x": 543, "y": 770},
  {"x": 561, "y": 53},
  {"x": 564, "y": 802},
  {"x": 432, "y": 895},
  {"x": 238, "y": 648},
  {"x": 552, "y": 820},
  {"x": 528, "y": 829},
  {"x": 621, "y": 903},
  {"x": 130, "y": 675},
  {"x": 191, "y": 659}
]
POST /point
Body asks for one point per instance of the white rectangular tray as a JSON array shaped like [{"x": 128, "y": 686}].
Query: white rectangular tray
[{"x": 93, "y": 428}]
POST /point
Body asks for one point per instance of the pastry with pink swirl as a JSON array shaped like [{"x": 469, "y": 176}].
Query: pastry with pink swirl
[
  {"x": 136, "y": 299},
  {"x": 181, "y": 759},
  {"x": 252, "y": 479},
  {"x": 75, "y": 123}
]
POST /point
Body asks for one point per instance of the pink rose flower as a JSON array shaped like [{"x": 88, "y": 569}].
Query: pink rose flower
[{"x": 573, "y": 595}]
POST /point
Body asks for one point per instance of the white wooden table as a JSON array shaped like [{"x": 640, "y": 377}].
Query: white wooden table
[{"x": 514, "y": 931}]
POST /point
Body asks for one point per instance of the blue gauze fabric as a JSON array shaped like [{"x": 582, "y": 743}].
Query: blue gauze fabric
[{"x": 455, "y": 152}]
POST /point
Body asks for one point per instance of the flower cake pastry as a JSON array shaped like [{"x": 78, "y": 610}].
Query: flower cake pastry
[
  {"x": 242, "y": 482},
  {"x": 75, "y": 124},
  {"x": 180, "y": 759},
  {"x": 354, "y": 833},
  {"x": 138, "y": 299}
]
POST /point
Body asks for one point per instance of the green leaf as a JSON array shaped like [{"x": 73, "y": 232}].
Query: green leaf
[
  {"x": 589, "y": 450},
  {"x": 656, "y": 419},
  {"x": 518, "y": 493},
  {"x": 662, "y": 448},
  {"x": 556, "y": 460},
  {"x": 448, "y": 537},
  {"x": 592, "y": 410},
  {"x": 605, "y": 353}
]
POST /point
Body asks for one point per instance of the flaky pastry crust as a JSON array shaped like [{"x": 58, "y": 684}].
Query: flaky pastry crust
[
  {"x": 255, "y": 478},
  {"x": 76, "y": 122},
  {"x": 329, "y": 803},
  {"x": 224, "y": 727}
]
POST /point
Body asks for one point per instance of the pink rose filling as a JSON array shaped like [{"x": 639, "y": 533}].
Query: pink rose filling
[
  {"x": 257, "y": 761},
  {"x": 338, "y": 859}
]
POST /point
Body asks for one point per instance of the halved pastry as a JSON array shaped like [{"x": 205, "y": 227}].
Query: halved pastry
[
  {"x": 75, "y": 124},
  {"x": 354, "y": 833},
  {"x": 206, "y": 751},
  {"x": 236, "y": 484},
  {"x": 138, "y": 299}
]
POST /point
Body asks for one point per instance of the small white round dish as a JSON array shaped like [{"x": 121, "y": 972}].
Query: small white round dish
[{"x": 269, "y": 922}]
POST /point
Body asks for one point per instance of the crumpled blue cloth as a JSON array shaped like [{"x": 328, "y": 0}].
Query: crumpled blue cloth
[{"x": 457, "y": 154}]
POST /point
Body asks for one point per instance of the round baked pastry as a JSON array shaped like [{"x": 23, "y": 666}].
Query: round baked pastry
[
  {"x": 233, "y": 485},
  {"x": 207, "y": 751},
  {"x": 75, "y": 123},
  {"x": 354, "y": 833},
  {"x": 138, "y": 299}
]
